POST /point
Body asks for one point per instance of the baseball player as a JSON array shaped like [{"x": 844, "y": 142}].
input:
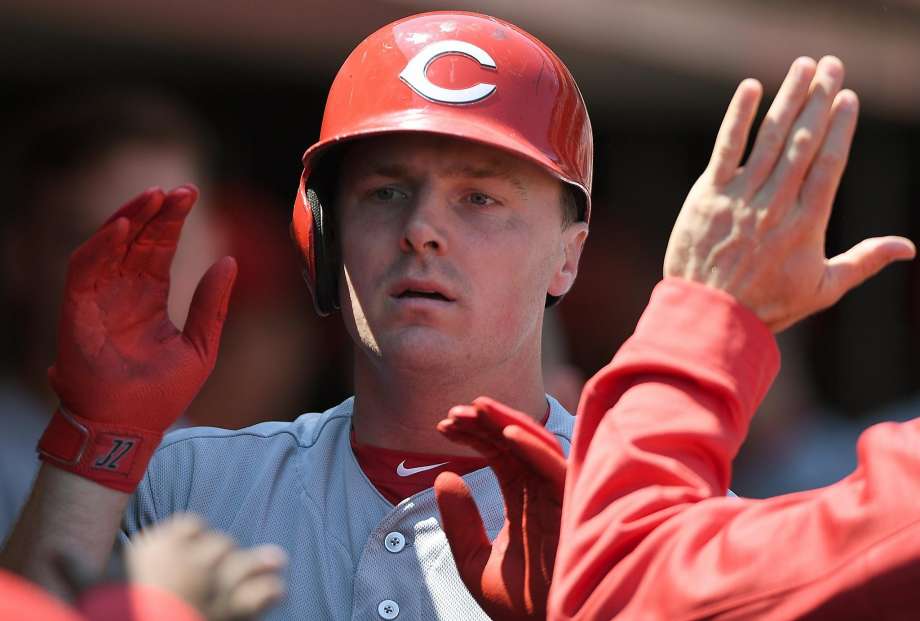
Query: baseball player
[
  {"x": 444, "y": 207},
  {"x": 647, "y": 531}
]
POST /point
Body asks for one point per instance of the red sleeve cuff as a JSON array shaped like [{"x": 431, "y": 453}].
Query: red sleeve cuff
[
  {"x": 706, "y": 334},
  {"x": 112, "y": 455}
]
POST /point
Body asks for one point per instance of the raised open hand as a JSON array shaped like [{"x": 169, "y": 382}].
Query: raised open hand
[
  {"x": 509, "y": 577},
  {"x": 124, "y": 373},
  {"x": 758, "y": 231}
]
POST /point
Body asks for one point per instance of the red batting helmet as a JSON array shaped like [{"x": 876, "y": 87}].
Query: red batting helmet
[{"x": 456, "y": 74}]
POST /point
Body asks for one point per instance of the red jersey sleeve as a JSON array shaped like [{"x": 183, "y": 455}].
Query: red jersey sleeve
[
  {"x": 647, "y": 532},
  {"x": 134, "y": 602}
]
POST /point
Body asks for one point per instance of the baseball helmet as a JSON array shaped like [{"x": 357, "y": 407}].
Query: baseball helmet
[{"x": 456, "y": 74}]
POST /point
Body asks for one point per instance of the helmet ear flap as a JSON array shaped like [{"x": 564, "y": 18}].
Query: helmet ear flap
[
  {"x": 313, "y": 231},
  {"x": 325, "y": 286}
]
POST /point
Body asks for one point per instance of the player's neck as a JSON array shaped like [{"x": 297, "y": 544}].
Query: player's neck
[{"x": 399, "y": 409}]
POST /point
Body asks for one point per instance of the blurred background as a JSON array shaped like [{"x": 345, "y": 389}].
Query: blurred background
[{"x": 102, "y": 98}]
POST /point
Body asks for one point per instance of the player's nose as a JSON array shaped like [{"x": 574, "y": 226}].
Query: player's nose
[{"x": 424, "y": 229}]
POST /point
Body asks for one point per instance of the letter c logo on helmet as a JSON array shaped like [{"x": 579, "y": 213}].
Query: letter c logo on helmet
[{"x": 416, "y": 73}]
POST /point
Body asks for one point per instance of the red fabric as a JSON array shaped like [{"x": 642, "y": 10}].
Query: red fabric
[
  {"x": 111, "y": 454},
  {"x": 380, "y": 464},
  {"x": 20, "y": 600},
  {"x": 135, "y": 602},
  {"x": 647, "y": 532}
]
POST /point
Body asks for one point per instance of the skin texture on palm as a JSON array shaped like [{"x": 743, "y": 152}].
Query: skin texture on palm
[{"x": 509, "y": 577}]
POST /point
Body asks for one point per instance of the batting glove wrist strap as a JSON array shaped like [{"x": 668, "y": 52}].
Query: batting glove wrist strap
[{"x": 112, "y": 455}]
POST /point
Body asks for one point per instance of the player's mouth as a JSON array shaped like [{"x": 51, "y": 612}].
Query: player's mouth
[{"x": 420, "y": 290}]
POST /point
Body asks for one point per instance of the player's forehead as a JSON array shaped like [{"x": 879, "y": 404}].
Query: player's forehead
[{"x": 411, "y": 154}]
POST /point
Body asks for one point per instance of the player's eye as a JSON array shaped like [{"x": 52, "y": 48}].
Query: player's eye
[
  {"x": 388, "y": 194},
  {"x": 480, "y": 200}
]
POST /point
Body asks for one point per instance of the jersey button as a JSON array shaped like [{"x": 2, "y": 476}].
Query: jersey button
[
  {"x": 395, "y": 542},
  {"x": 388, "y": 609}
]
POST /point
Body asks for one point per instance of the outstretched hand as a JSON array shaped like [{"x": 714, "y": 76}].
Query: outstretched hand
[
  {"x": 758, "y": 231},
  {"x": 509, "y": 577},
  {"x": 123, "y": 370}
]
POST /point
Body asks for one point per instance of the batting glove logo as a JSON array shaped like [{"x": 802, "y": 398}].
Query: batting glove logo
[{"x": 112, "y": 452}]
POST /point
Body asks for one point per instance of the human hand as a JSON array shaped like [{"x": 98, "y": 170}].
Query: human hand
[
  {"x": 758, "y": 232},
  {"x": 207, "y": 569},
  {"x": 509, "y": 577},
  {"x": 124, "y": 373}
]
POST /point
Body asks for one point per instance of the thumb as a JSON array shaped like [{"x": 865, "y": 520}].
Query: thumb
[
  {"x": 209, "y": 308},
  {"x": 861, "y": 262},
  {"x": 464, "y": 529}
]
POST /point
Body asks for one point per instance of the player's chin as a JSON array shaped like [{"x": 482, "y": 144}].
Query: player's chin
[{"x": 419, "y": 346}]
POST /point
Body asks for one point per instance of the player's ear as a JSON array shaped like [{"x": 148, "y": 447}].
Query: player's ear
[{"x": 573, "y": 242}]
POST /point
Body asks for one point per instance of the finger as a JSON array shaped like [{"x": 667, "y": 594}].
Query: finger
[
  {"x": 132, "y": 208},
  {"x": 208, "y": 311},
  {"x": 823, "y": 179},
  {"x": 495, "y": 448},
  {"x": 91, "y": 260},
  {"x": 548, "y": 463},
  {"x": 255, "y": 595},
  {"x": 806, "y": 135},
  {"x": 779, "y": 118},
  {"x": 482, "y": 423},
  {"x": 182, "y": 526},
  {"x": 463, "y": 527},
  {"x": 212, "y": 548},
  {"x": 472, "y": 436},
  {"x": 864, "y": 260},
  {"x": 242, "y": 565},
  {"x": 106, "y": 249},
  {"x": 154, "y": 247},
  {"x": 481, "y": 427},
  {"x": 500, "y": 416},
  {"x": 733, "y": 134},
  {"x": 139, "y": 211}
]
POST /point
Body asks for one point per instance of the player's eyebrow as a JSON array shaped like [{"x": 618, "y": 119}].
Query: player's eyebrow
[
  {"x": 490, "y": 171},
  {"x": 464, "y": 169}
]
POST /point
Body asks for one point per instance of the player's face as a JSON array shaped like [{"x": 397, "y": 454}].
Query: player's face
[{"x": 448, "y": 251}]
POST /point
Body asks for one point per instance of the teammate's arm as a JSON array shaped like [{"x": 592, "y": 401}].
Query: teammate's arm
[
  {"x": 124, "y": 373},
  {"x": 646, "y": 531}
]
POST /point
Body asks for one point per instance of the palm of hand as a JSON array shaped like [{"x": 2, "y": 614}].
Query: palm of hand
[
  {"x": 117, "y": 347},
  {"x": 510, "y": 576},
  {"x": 519, "y": 567}
]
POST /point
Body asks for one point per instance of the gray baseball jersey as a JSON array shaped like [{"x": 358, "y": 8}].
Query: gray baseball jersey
[{"x": 353, "y": 555}]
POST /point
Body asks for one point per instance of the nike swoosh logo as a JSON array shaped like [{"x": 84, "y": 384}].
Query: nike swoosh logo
[{"x": 402, "y": 471}]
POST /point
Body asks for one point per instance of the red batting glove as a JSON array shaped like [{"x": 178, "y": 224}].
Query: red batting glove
[
  {"x": 124, "y": 373},
  {"x": 509, "y": 578}
]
